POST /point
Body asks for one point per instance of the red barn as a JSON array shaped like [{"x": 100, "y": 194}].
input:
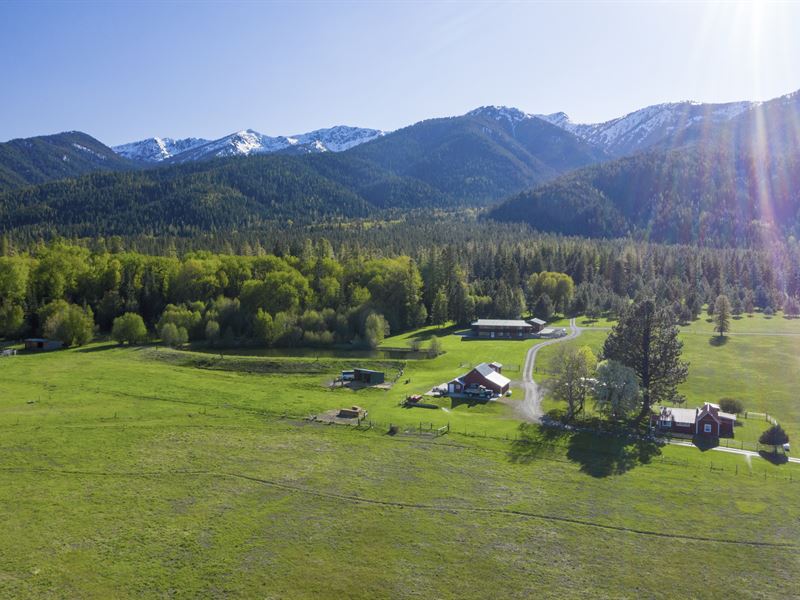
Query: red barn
[{"x": 485, "y": 374}]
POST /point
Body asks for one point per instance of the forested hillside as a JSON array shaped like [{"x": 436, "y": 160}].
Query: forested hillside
[
  {"x": 728, "y": 185},
  {"x": 479, "y": 157},
  {"x": 694, "y": 195},
  {"x": 39, "y": 159},
  {"x": 443, "y": 163}
]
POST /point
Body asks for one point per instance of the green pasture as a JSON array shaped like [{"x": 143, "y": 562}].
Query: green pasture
[
  {"x": 763, "y": 371},
  {"x": 127, "y": 474}
]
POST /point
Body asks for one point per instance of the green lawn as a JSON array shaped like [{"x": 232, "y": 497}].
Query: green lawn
[
  {"x": 125, "y": 474},
  {"x": 761, "y": 370},
  {"x": 755, "y": 323}
]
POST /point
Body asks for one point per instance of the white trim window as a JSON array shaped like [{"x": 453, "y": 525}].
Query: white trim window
[{"x": 707, "y": 428}]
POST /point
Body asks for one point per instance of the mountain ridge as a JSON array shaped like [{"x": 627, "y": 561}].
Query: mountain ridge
[{"x": 245, "y": 143}]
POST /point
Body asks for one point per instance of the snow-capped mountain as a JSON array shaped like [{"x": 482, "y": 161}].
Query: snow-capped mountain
[
  {"x": 245, "y": 143},
  {"x": 507, "y": 114},
  {"x": 649, "y": 126},
  {"x": 156, "y": 149}
]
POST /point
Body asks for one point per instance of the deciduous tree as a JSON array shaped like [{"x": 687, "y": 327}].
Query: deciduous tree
[
  {"x": 573, "y": 369},
  {"x": 616, "y": 392},
  {"x": 129, "y": 328}
]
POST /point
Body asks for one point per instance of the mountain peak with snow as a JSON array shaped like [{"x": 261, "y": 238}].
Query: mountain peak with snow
[
  {"x": 244, "y": 143},
  {"x": 156, "y": 149},
  {"x": 648, "y": 126},
  {"x": 500, "y": 113}
]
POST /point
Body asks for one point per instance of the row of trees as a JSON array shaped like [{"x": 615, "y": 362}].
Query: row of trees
[
  {"x": 395, "y": 271},
  {"x": 312, "y": 298}
]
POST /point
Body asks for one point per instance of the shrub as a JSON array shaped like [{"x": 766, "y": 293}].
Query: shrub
[
  {"x": 435, "y": 347},
  {"x": 70, "y": 324},
  {"x": 174, "y": 336},
  {"x": 731, "y": 405},
  {"x": 129, "y": 328}
]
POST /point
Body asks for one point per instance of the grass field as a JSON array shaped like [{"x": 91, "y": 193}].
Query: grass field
[
  {"x": 761, "y": 370},
  {"x": 152, "y": 473}
]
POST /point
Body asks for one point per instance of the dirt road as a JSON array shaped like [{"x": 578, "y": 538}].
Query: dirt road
[{"x": 531, "y": 406}]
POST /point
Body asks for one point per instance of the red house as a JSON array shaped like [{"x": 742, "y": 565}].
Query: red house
[
  {"x": 706, "y": 421},
  {"x": 487, "y": 375}
]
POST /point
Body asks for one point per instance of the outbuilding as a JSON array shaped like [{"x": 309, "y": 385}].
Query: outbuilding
[
  {"x": 503, "y": 328},
  {"x": 368, "y": 376},
  {"x": 42, "y": 344},
  {"x": 487, "y": 375},
  {"x": 537, "y": 324}
]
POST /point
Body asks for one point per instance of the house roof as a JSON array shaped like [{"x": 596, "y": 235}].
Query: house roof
[
  {"x": 501, "y": 323},
  {"x": 537, "y": 321},
  {"x": 715, "y": 412},
  {"x": 690, "y": 416},
  {"x": 489, "y": 373},
  {"x": 678, "y": 415}
]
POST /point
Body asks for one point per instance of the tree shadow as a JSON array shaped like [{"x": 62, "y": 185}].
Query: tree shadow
[
  {"x": 470, "y": 402},
  {"x": 774, "y": 457},
  {"x": 705, "y": 442},
  {"x": 534, "y": 442},
  {"x": 598, "y": 455},
  {"x": 601, "y": 456},
  {"x": 473, "y": 338},
  {"x": 717, "y": 341},
  {"x": 440, "y": 332},
  {"x": 103, "y": 348}
]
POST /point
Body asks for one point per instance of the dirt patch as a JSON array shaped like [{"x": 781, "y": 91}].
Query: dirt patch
[{"x": 332, "y": 416}]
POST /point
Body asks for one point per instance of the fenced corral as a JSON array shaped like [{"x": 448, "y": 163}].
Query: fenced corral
[
  {"x": 423, "y": 429},
  {"x": 507, "y": 367},
  {"x": 748, "y": 414}
]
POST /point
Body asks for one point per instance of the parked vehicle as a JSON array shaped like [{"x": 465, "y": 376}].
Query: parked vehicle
[{"x": 478, "y": 391}]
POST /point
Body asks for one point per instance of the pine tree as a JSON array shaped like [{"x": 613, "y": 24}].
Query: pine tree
[
  {"x": 722, "y": 318},
  {"x": 439, "y": 309},
  {"x": 646, "y": 340}
]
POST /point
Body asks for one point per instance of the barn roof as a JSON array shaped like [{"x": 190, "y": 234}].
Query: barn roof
[
  {"x": 489, "y": 373},
  {"x": 501, "y": 323},
  {"x": 538, "y": 321}
]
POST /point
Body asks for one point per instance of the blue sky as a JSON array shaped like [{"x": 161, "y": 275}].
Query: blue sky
[{"x": 125, "y": 71}]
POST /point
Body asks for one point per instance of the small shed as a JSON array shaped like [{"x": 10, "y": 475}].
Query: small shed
[
  {"x": 41, "y": 344},
  {"x": 537, "y": 324},
  {"x": 368, "y": 376}
]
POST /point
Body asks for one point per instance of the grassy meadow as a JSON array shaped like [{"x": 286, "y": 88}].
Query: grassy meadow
[{"x": 145, "y": 472}]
